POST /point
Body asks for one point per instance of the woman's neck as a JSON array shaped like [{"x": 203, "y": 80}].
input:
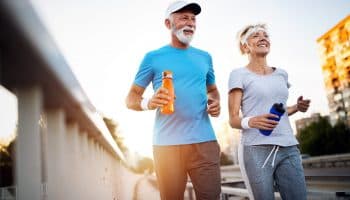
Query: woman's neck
[
  {"x": 259, "y": 65},
  {"x": 257, "y": 62}
]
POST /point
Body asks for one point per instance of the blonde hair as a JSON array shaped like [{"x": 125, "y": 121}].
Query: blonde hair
[{"x": 246, "y": 31}]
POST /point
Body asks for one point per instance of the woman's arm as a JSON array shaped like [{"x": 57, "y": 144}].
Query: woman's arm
[
  {"x": 234, "y": 105},
  {"x": 260, "y": 122},
  {"x": 302, "y": 105},
  {"x": 292, "y": 109}
]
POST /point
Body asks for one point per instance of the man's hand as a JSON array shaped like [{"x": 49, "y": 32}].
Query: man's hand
[
  {"x": 160, "y": 98},
  {"x": 213, "y": 107}
]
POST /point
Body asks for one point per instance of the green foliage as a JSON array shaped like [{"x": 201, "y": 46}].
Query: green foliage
[
  {"x": 6, "y": 165},
  {"x": 320, "y": 138},
  {"x": 145, "y": 165},
  {"x": 113, "y": 129},
  {"x": 224, "y": 159},
  {"x": 341, "y": 139}
]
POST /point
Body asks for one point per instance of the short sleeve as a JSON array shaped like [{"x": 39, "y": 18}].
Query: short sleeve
[
  {"x": 235, "y": 80},
  {"x": 210, "y": 75},
  {"x": 285, "y": 76},
  {"x": 144, "y": 74}
]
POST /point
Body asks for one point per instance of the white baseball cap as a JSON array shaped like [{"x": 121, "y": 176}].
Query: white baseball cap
[{"x": 182, "y": 5}]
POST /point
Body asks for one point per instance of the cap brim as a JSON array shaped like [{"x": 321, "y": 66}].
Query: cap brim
[{"x": 195, "y": 8}]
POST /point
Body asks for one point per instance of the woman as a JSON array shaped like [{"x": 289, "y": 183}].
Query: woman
[{"x": 266, "y": 161}]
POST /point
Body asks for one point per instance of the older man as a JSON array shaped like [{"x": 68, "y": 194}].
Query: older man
[{"x": 184, "y": 142}]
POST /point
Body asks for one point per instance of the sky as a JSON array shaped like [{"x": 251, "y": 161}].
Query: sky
[{"x": 105, "y": 41}]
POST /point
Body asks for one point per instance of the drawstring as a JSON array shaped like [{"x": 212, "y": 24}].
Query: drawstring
[{"x": 274, "y": 156}]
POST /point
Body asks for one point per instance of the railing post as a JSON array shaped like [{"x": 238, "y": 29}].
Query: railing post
[
  {"x": 90, "y": 169},
  {"x": 55, "y": 153},
  {"x": 76, "y": 167},
  {"x": 223, "y": 196},
  {"x": 71, "y": 161},
  {"x": 28, "y": 146},
  {"x": 82, "y": 164}
]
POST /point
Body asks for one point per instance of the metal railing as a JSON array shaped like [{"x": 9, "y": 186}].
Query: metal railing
[
  {"x": 8, "y": 193},
  {"x": 61, "y": 139},
  {"x": 327, "y": 177}
]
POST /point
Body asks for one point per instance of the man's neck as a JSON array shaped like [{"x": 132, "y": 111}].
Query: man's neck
[{"x": 177, "y": 44}]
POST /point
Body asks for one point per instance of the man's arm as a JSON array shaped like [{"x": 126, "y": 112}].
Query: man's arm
[
  {"x": 213, "y": 100},
  {"x": 134, "y": 98}
]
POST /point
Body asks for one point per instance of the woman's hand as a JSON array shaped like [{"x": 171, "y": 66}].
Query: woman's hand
[
  {"x": 263, "y": 122},
  {"x": 303, "y": 104}
]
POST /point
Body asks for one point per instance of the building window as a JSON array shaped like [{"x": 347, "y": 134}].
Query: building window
[
  {"x": 343, "y": 35},
  {"x": 335, "y": 83},
  {"x": 337, "y": 97},
  {"x": 328, "y": 45}
]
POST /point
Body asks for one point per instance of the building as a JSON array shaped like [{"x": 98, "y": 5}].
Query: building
[
  {"x": 334, "y": 47},
  {"x": 300, "y": 124}
]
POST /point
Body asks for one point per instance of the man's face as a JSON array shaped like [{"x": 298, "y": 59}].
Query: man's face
[{"x": 183, "y": 25}]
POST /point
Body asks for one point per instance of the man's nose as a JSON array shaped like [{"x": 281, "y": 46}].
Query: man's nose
[{"x": 190, "y": 23}]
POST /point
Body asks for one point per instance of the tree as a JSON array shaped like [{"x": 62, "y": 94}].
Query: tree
[
  {"x": 6, "y": 165},
  {"x": 224, "y": 159},
  {"x": 113, "y": 129},
  {"x": 340, "y": 139},
  {"x": 320, "y": 138},
  {"x": 145, "y": 164}
]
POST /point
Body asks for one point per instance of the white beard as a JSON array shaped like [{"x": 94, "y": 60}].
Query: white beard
[{"x": 185, "y": 39}]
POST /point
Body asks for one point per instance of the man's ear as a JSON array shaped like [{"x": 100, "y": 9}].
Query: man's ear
[{"x": 167, "y": 23}]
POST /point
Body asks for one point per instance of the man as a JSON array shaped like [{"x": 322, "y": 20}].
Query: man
[{"x": 184, "y": 142}]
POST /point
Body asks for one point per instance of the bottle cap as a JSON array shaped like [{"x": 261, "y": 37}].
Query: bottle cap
[
  {"x": 279, "y": 107},
  {"x": 167, "y": 74}
]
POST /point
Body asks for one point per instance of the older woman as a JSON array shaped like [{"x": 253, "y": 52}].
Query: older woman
[{"x": 267, "y": 161}]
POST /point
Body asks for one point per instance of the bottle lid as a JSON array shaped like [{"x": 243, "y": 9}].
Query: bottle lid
[
  {"x": 279, "y": 107},
  {"x": 167, "y": 74}
]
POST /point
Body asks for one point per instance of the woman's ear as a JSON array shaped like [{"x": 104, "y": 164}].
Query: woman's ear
[{"x": 244, "y": 48}]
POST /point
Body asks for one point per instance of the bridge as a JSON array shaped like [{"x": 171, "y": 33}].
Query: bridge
[
  {"x": 65, "y": 151},
  {"x": 63, "y": 148}
]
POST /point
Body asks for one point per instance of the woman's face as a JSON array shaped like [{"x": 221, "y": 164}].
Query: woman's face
[{"x": 258, "y": 43}]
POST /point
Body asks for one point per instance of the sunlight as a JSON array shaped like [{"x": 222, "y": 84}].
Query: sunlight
[
  {"x": 106, "y": 59},
  {"x": 8, "y": 117},
  {"x": 137, "y": 131}
]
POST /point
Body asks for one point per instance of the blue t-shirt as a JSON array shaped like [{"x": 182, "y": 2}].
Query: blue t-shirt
[{"x": 192, "y": 71}]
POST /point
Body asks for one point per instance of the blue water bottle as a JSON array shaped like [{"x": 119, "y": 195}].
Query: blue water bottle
[{"x": 276, "y": 109}]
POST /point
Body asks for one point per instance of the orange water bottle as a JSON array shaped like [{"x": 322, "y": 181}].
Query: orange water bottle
[{"x": 167, "y": 82}]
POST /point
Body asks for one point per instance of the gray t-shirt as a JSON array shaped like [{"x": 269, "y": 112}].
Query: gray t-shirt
[{"x": 260, "y": 92}]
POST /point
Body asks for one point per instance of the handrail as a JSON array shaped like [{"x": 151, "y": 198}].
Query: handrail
[
  {"x": 52, "y": 68},
  {"x": 3, "y": 195}
]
